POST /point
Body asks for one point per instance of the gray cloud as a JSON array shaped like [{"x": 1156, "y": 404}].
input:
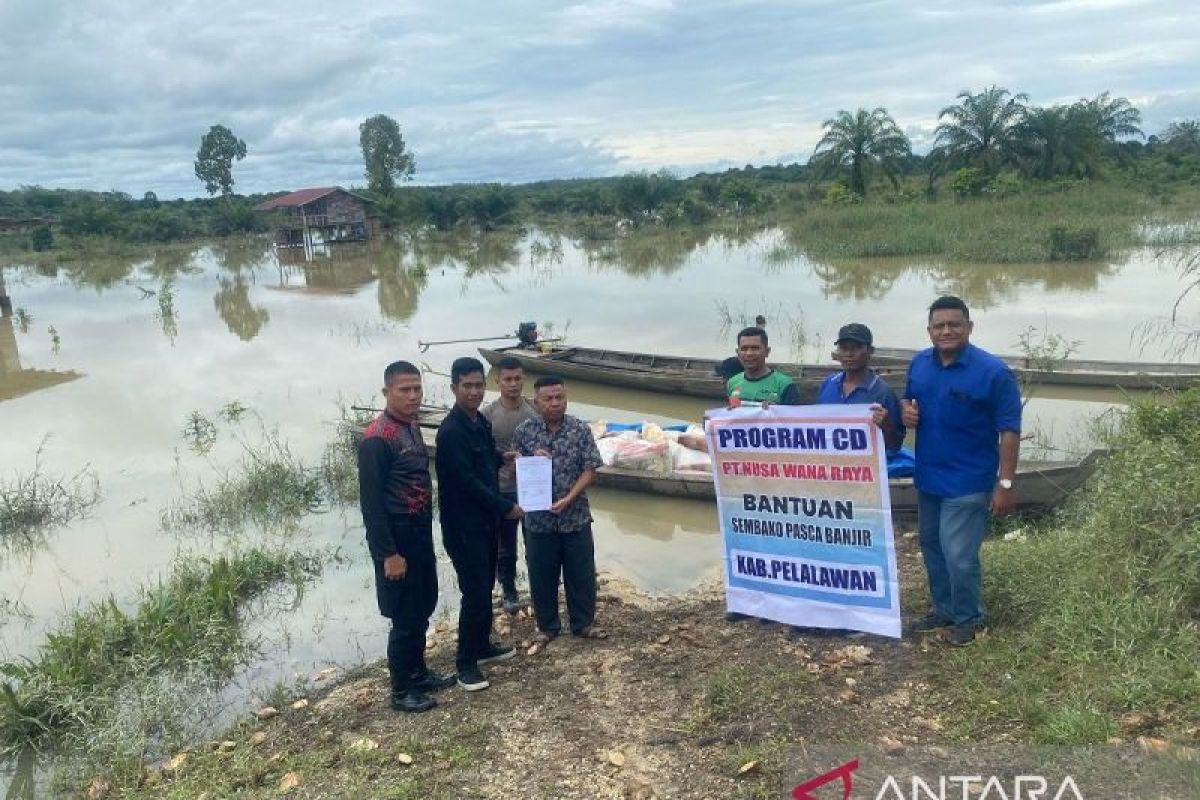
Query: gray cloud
[{"x": 117, "y": 94}]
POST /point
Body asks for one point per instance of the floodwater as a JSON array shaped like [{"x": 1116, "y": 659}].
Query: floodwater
[{"x": 103, "y": 360}]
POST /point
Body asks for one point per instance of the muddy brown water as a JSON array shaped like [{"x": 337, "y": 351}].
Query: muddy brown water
[{"x": 103, "y": 360}]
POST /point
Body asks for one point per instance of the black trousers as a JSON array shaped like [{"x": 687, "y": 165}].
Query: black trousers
[
  {"x": 410, "y": 601},
  {"x": 472, "y": 550},
  {"x": 571, "y": 554},
  {"x": 506, "y": 551}
]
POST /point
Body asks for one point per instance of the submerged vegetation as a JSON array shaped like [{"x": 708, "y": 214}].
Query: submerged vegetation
[
  {"x": 104, "y": 663},
  {"x": 269, "y": 486},
  {"x": 34, "y": 502},
  {"x": 1096, "y": 615}
]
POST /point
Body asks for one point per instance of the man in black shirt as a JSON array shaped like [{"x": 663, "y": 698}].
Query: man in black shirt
[
  {"x": 395, "y": 492},
  {"x": 470, "y": 506}
]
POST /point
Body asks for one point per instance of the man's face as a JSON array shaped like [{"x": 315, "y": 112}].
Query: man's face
[
  {"x": 403, "y": 396},
  {"x": 949, "y": 330},
  {"x": 853, "y": 356},
  {"x": 551, "y": 402},
  {"x": 468, "y": 392},
  {"x": 752, "y": 353},
  {"x": 510, "y": 382}
]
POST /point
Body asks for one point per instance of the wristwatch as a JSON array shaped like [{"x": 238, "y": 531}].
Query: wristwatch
[{"x": 1005, "y": 483}]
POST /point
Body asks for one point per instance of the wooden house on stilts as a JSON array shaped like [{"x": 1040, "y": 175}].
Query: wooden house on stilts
[{"x": 324, "y": 215}]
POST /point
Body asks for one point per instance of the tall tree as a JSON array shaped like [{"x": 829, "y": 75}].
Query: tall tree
[
  {"x": 1183, "y": 136},
  {"x": 214, "y": 160},
  {"x": 384, "y": 155},
  {"x": 1052, "y": 141},
  {"x": 863, "y": 142},
  {"x": 982, "y": 129}
]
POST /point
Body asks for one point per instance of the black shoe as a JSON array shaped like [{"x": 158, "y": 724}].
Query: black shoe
[
  {"x": 472, "y": 680},
  {"x": 434, "y": 681},
  {"x": 496, "y": 653},
  {"x": 930, "y": 622},
  {"x": 412, "y": 701},
  {"x": 512, "y": 602},
  {"x": 961, "y": 635}
]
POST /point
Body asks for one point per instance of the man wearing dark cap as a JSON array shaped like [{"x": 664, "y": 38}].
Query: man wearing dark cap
[{"x": 857, "y": 383}]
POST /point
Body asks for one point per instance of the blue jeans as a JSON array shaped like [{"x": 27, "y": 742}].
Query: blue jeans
[{"x": 952, "y": 531}]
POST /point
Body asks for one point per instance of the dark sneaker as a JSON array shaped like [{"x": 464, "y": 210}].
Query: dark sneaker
[
  {"x": 496, "y": 653},
  {"x": 472, "y": 680},
  {"x": 512, "y": 602},
  {"x": 413, "y": 701},
  {"x": 930, "y": 622},
  {"x": 434, "y": 681},
  {"x": 960, "y": 635}
]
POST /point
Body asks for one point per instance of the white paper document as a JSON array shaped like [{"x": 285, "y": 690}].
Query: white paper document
[{"x": 535, "y": 484}]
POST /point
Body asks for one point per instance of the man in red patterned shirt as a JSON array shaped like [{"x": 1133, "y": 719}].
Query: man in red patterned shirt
[{"x": 396, "y": 493}]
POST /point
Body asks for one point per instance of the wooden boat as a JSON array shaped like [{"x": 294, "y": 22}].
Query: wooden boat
[
  {"x": 1074, "y": 372},
  {"x": 696, "y": 377},
  {"x": 1039, "y": 486}
]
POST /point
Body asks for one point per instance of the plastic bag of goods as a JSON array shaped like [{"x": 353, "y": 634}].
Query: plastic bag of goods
[
  {"x": 649, "y": 457},
  {"x": 608, "y": 447},
  {"x": 685, "y": 459},
  {"x": 652, "y": 432}
]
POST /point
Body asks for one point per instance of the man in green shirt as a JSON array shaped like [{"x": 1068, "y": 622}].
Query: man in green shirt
[{"x": 758, "y": 382}]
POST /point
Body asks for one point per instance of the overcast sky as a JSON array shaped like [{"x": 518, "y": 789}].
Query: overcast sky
[{"x": 116, "y": 95}]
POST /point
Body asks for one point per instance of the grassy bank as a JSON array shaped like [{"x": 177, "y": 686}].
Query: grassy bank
[
  {"x": 1097, "y": 614},
  {"x": 1075, "y": 222},
  {"x": 109, "y": 681}
]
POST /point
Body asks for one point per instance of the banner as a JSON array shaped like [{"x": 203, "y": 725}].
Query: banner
[{"x": 806, "y": 517}]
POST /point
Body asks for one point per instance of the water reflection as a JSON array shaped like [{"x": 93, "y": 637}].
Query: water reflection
[
  {"x": 986, "y": 286},
  {"x": 326, "y": 269},
  {"x": 491, "y": 253},
  {"x": 241, "y": 254},
  {"x": 232, "y": 301},
  {"x": 15, "y": 380},
  {"x": 400, "y": 291}
]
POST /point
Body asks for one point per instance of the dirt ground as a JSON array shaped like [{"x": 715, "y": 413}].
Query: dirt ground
[{"x": 676, "y": 703}]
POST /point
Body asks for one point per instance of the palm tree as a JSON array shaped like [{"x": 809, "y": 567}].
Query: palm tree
[
  {"x": 1099, "y": 124},
  {"x": 1114, "y": 117},
  {"x": 864, "y": 142},
  {"x": 982, "y": 129},
  {"x": 1053, "y": 140}
]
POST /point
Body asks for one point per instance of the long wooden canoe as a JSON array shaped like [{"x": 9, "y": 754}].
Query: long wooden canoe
[
  {"x": 1039, "y": 486},
  {"x": 1075, "y": 372},
  {"x": 652, "y": 372}
]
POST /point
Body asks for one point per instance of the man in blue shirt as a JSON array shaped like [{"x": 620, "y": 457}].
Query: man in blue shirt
[
  {"x": 858, "y": 384},
  {"x": 965, "y": 407}
]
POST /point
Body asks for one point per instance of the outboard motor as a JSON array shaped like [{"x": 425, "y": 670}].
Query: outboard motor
[{"x": 527, "y": 334}]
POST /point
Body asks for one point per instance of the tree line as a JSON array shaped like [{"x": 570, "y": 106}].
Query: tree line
[{"x": 987, "y": 142}]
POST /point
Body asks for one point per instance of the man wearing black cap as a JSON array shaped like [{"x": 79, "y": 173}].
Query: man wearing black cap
[{"x": 857, "y": 383}]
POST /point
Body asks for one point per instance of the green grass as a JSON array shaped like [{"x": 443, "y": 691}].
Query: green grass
[
  {"x": 33, "y": 502},
  {"x": 1048, "y": 223},
  {"x": 1097, "y": 614},
  {"x": 270, "y": 487},
  {"x": 104, "y": 663}
]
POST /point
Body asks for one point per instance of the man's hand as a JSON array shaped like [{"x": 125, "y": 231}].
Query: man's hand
[
  {"x": 560, "y": 505},
  {"x": 544, "y": 453},
  {"x": 909, "y": 414},
  {"x": 510, "y": 456},
  {"x": 1004, "y": 502},
  {"x": 516, "y": 512},
  {"x": 395, "y": 567},
  {"x": 879, "y": 415}
]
